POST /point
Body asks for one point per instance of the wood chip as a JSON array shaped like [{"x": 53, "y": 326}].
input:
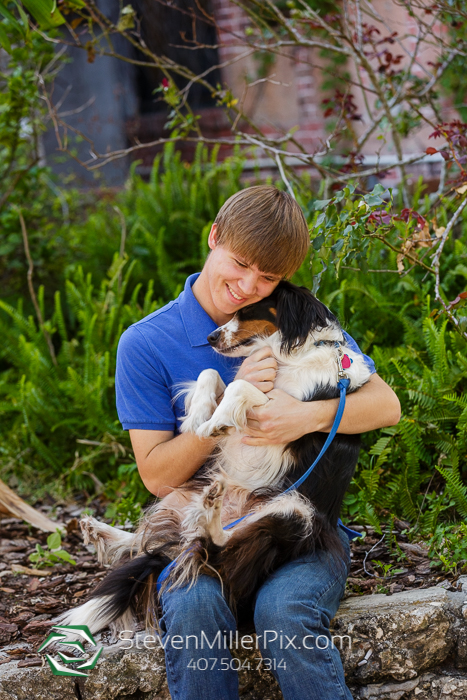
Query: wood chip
[
  {"x": 31, "y": 572},
  {"x": 78, "y": 594},
  {"x": 416, "y": 549},
  {"x": 72, "y": 525},
  {"x": 51, "y": 584},
  {"x": 23, "y": 618},
  {"x": 33, "y": 585},
  {"x": 8, "y": 627},
  {"x": 25, "y": 663},
  {"x": 37, "y": 626},
  {"x": 47, "y": 604}
]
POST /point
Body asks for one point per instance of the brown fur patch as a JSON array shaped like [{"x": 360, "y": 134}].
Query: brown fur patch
[{"x": 248, "y": 329}]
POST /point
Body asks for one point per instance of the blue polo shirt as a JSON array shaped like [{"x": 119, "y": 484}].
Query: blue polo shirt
[{"x": 162, "y": 351}]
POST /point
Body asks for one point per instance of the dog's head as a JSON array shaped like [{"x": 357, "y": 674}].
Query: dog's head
[{"x": 290, "y": 310}]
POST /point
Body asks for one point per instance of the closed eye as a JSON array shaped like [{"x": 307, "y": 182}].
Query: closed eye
[{"x": 268, "y": 279}]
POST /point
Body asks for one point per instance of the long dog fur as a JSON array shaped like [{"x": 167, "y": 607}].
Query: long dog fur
[{"x": 305, "y": 338}]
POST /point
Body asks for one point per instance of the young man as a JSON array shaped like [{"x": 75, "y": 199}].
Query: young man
[{"x": 259, "y": 237}]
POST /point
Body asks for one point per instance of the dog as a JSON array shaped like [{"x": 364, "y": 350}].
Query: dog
[{"x": 188, "y": 530}]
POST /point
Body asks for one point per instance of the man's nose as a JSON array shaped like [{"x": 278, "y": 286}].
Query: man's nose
[
  {"x": 247, "y": 285},
  {"x": 214, "y": 337}
]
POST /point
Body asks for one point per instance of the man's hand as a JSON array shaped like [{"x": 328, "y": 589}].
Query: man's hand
[
  {"x": 284, "y": 419},
  {"x": 279, "y": 421},
  {"x": 259, "y": 369}
]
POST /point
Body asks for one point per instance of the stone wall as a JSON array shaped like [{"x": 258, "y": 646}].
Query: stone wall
[{"x": 408, "y": 646}]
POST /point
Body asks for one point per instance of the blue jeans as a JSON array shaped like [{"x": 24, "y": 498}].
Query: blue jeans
[{"x": 293, "y": 611}]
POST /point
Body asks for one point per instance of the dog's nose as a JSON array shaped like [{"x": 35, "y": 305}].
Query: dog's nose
[{"x": 214, "y": 337}]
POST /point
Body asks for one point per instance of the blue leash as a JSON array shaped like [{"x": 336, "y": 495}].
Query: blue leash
[{"x": 343, "y": 385}]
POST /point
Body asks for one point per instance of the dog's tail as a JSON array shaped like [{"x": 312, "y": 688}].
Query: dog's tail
[{"x": 120, "y": 600}]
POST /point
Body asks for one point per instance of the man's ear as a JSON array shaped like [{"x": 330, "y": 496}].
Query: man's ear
[{"x": 212, "y": 237}]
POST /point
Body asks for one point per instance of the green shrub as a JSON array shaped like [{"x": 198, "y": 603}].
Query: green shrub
[
  {"x": 415, "y": 470},
  {"x": 59, "y": 421}
]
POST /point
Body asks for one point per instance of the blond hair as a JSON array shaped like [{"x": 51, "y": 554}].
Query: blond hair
[{"x": 266, "y": 227}]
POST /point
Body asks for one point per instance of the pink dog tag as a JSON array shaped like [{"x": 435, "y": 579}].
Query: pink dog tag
[{"x": 346, "y": 362}]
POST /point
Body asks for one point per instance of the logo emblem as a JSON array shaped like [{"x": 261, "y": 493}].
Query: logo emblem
[{"x": 60, "y": 637}]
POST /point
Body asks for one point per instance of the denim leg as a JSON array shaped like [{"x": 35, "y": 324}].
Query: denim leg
[
  {"x": 298, "y": 601},
  {"x": 202, "y": 608}
]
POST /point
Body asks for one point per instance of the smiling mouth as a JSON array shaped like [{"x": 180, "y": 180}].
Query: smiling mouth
[{"x": 235, "y": 296}]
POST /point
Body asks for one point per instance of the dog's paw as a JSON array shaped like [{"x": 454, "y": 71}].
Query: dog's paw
[
  {"x": 212, "y": 428},
  {"x": 90, "y": 527},
  {"x": 190, "y": 424},
  {"x": 200, "y": 413},
  {"x": 214, "y": 494}
]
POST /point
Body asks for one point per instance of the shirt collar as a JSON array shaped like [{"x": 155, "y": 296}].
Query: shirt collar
[{"x": 198, "y": 324}]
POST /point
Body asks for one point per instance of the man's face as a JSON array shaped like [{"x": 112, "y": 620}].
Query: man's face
[{"x": 233, "y": 282}]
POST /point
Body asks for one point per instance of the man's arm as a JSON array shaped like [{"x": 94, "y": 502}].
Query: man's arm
[
  {"x": 284, "y": 419},
  {"x": 165, "y": 460}
]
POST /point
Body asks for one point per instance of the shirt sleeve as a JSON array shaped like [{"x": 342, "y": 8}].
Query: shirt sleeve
[
  {"x": 143, "y": 397},
  {"x": 353, "y": 345}
]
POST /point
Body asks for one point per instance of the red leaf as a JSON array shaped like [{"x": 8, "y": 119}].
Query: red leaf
[
  {"x": 380, "y": 216},
  {"x": 430, "y": 150}
]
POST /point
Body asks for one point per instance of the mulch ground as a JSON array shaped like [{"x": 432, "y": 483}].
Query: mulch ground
[{"x": 29, "y": 603}]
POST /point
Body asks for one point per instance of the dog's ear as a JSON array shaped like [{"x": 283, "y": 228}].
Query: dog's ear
[{"x": 299, "y": 313}]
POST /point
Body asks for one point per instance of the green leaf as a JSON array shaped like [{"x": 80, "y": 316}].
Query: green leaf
[
  {"x": 54, "y": 540},
  {"x": 7, "y": 14},
  {"x": 320, "y": 204},
  {"x": 373, "y": 200},
  {"x": 338, "y": 246},
  {"x": 318, "y": 241},
  {"x": 65, "y": 556},
  {"x": 127, "y": 19},
  {"x": 4, "y": 40},
  {"x": 45, "y": 13},
  {"x": 23, "y": 16}
]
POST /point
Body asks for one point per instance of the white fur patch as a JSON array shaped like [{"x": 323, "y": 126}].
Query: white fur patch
[
  {"x": 228, "y": 330},
  {"x": 201, "y": 400},
  {"x": 91, "y": 614},
  {"x": 239, "y": 397}
]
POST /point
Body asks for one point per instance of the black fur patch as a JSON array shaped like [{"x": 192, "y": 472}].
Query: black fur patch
[
  {"x": 298, "y": 314},
  {"x": 330, "y": 479},
  {"x": 126, "y": 582},
  {"x": 261, "y": 547}
]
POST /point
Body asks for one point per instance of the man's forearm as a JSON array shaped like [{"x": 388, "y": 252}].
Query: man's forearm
[
  {"x": 285, "y": 419},
  {"x": 373, "y": 406},
  {"x": 171, "y": 462}
]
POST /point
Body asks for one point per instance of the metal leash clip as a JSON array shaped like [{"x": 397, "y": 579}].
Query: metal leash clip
[{"x": 341, "y": 374}]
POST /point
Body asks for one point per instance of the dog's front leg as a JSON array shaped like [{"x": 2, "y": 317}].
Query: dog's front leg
[
  {"x": 239, "y": 397},
  {"x": 201, "y": 400}
]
